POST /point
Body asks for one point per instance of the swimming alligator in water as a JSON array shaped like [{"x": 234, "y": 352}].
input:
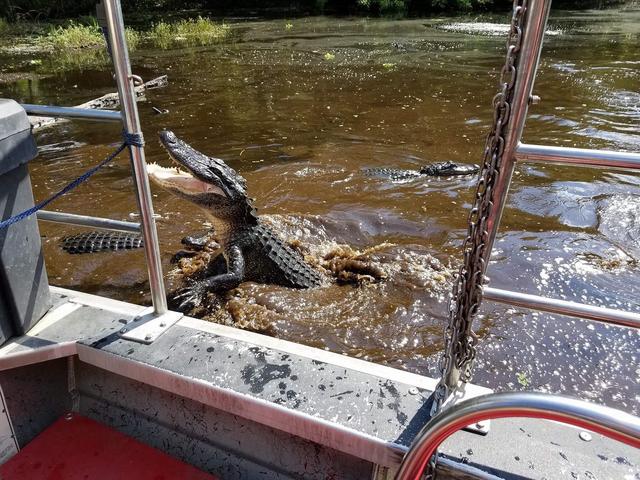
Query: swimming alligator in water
[
  {"x": 252, "y": 252},
  {"x": 440, "y": 169},
  {"x": 102, "y": 241}
]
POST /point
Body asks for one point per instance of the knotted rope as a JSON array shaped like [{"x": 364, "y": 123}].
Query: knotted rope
[{"x": 129, "y": 139}]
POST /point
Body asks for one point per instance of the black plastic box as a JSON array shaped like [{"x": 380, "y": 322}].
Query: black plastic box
[{"x": 24, "y": 287}]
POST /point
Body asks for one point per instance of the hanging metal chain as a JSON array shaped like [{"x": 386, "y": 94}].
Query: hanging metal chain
[
  {"x": 456, "y": 363},
  {"x": 460, "y": 341}
]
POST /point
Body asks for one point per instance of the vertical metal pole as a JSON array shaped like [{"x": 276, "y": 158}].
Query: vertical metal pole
[
  {"x": 131, "y": 121},
  {"x": 529, "y": 20},
  {"x": 535, "y": 24}
]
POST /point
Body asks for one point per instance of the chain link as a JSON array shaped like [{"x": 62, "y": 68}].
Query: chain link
[{"x": 460, "y": 341}]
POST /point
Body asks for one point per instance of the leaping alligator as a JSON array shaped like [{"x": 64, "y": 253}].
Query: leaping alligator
[
  {"x": 440, "y": 169},
  {"x": 252, "y": 252}
]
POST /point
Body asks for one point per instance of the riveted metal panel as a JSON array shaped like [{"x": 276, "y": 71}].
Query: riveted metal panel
[
  {"x": 8, "y": 443},
  {"x": 212, "y": 440},
  {"x": 36, "y": 397}
]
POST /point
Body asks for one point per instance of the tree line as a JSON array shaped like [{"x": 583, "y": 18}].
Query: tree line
[{"x": 34, "y": 10}]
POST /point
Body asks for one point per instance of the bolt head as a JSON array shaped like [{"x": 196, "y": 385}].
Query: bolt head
[
  {"x": 163, "y": 324},
  {"x": 147, "y": 336},
  {"x": 585, "y": 436},
  {"x": 413, "y": 391},
  {"x": 123, "y": 330}
]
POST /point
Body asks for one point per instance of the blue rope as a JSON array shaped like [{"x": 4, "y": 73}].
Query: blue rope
[{"x": 130, "y": 139}]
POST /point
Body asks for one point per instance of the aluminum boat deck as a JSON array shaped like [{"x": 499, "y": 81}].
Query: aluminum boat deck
[{"x": 244, "y": 405}]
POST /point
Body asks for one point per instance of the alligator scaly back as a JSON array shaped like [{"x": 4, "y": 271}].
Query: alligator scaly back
[
  {"x": 291, "y": 270},
  {"x": 92, "y": 242},
  {"x": 440, "y": 169},
  {"x": 395, "y": 174}
]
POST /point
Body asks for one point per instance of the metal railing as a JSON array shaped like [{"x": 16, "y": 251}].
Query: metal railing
[
  {"x": 563, "y": 307},
  {"x": 536, "y": 20},
  {"x": 88, "y": 221},
  {"x": 73, "y": 112},
  {"x": 110, "y": 14},
  {"x": 503, "y": 149},
  {"x": 536, "y": 16},
  {"x": 577, "y": 156},
  {"x": 606, "y": 421}
]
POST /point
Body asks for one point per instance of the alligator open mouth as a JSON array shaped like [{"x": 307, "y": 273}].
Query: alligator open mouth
[{"x": 176, "y": 178}]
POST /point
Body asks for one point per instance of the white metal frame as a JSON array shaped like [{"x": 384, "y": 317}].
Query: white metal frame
[
  {"x": 159, "y": 318},
  {"x": 535, "y": 24},
  {"x": 606, "y": 421},
  {"x": 600, "y": 419}
]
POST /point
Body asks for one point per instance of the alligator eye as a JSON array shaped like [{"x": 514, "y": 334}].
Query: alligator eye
[{"x": 168, "y": 136}]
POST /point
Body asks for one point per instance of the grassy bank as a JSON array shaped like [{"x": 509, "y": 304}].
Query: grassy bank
[
  {"x": 85, "y": 34},
  {"x": 195, "y": 31},
  {"x": 80, "y": 44},
  {"x": 76, "y": 36}
]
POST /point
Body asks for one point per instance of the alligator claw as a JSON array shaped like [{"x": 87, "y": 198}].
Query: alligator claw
[
  {"x": 190, "y": 297},
  {"x": 179, "y": 255}
]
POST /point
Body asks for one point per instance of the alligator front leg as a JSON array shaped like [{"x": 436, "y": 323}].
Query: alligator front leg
[
  {"x": 193, "y": 295},
  {"x": 198, "y": 242}
]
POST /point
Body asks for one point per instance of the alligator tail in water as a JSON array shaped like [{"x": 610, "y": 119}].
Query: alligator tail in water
[{"x": 92, "y": 242}]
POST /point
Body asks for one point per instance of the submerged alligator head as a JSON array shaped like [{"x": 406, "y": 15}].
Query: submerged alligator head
[
  {"x": 251, "y": 250},
  {"x": 446, "y": 169}
]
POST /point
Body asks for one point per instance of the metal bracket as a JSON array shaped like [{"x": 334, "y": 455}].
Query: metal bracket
[
  {"x": 481, "y": 428},
  {"x": 148, "y": 326},
  {"x": 459, "y": 395}
]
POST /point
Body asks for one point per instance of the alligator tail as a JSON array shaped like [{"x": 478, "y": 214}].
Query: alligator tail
[{"x": 91, "y": 242}]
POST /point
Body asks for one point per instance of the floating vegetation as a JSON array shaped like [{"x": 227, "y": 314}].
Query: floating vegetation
[
  {"x": 288, "y": 26},
  {"x": 523, "y": 379},
  {"x": 133, "y": 38},
  {"x": 86, "y": 34},
  {"x": 80, "y": 44},
  {"x": 81, "y": 60},
  {"x": 192, "y": 32},
  {"x": 162, "y": 35},
  {"x": 389, "y": 66},
  {"x": 329, "y": 56},
  {"x": 75, "y": 37}
]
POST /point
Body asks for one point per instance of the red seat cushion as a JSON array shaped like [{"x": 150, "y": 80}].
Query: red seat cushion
[{"x": 78, "y": 448}]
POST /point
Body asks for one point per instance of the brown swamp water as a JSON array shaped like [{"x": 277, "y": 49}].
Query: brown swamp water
[{"x": 300, "y": 125}]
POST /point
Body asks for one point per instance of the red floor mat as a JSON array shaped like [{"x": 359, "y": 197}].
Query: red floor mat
[{"x": 82, "y": 449}]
